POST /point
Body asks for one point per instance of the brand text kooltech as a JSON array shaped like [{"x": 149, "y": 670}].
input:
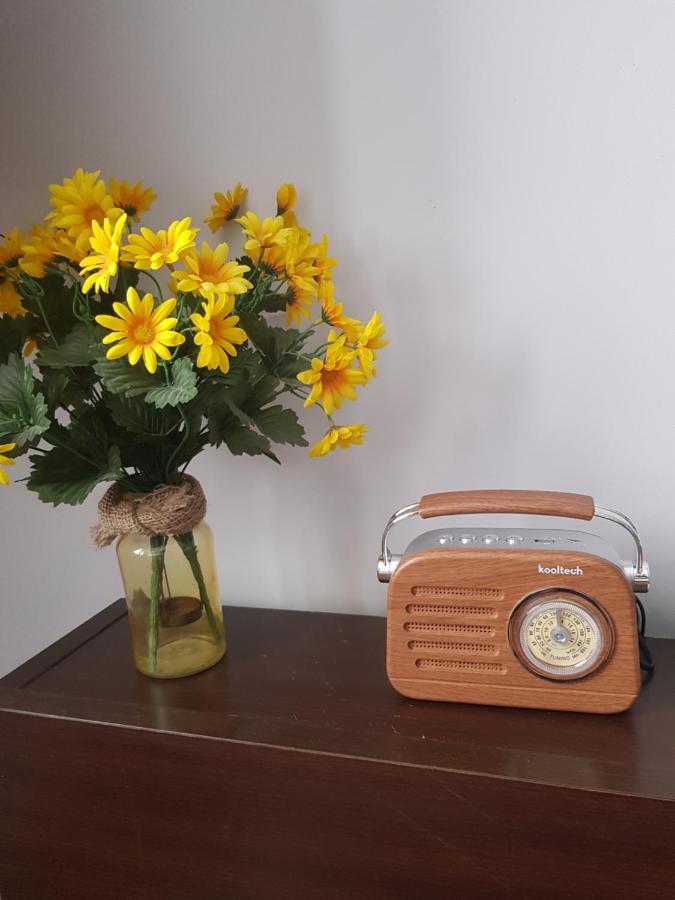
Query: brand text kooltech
[{"x": 560, "y": 570}]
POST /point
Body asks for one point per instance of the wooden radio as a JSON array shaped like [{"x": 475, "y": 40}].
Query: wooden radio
[{"x": 514, "y": 616}]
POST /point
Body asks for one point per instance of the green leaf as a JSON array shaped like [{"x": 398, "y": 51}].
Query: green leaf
[
  {"x": 13, "y": 334},
  {"x": 280, "y": 425},
  {"x": 70, "y": 471},
  {"x": 272, "y": 303},
  {"x": 53, "y": 298},
  {"x": 241, "y": 439},
  {"x": 127, "y": 277},
  {"x": 182, "y": 389},
  {"x": 139, "y": 417},
  {"x": 23, "y": 412},
  {"x": 74, "y": 350},
  {"x": 119, "y": 377}
]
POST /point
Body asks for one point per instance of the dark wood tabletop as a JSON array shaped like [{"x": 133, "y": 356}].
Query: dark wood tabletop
[{"x": 296, "y": 743}]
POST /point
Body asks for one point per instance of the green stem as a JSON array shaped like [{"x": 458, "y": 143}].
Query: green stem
[
  {"x": 157, "y": 285},
  {"x": 157, "y": 546},
  {"x": 186, "y": 542}
]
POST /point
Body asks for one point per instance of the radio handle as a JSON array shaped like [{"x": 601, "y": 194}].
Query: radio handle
[
  {"x": 531, "y": 503},
  {"x": 536, "y": 503}
]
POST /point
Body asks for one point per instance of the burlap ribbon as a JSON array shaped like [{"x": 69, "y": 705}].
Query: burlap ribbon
[{"x": 169, "y": 509}]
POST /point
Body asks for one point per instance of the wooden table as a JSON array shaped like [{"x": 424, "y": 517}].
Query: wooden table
[{"x": 292, "y": 769}]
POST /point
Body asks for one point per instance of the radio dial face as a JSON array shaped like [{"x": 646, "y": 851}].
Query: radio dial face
[{"x": 560, "y": 635}]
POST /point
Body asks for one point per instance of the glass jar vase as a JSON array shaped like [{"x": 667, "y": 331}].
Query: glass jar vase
[{"x": 172, "y": 596}]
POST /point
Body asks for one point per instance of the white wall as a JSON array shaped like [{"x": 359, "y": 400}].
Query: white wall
[{"x": 496, "y": 176}]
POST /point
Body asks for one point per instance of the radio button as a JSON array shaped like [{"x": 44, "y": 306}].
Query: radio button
[
  {"x": 490, "y": 538},
  {"x": 467, "y": 538},
  {"x": 514, "y": 539},
  {"x": 445, "y": 539}
]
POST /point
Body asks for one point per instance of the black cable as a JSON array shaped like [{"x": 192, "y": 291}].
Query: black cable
[{"x": 646, "y": 659}]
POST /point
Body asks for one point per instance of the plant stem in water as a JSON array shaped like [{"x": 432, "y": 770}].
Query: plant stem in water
[
  {"x": 157, "y": 546},
  {"x": 187, "y": 544}
]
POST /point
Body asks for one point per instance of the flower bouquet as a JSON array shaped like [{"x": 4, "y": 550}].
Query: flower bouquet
[{"x": 124, "y": 352}]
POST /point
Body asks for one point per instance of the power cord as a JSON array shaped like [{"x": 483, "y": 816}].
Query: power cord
[{"x": 646, "y": 659}]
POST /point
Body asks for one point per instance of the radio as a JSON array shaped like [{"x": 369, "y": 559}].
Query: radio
[{"x": 514, "y": 616}]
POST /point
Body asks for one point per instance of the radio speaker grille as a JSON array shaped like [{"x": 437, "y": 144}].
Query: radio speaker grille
[
  {"x": 457, "y": 593},
  {"x": 451, "y": 609},
  {"x": 455, "y": 646},
  {"x": 446, "y": 628},
  {"x": 461, "y": 665}
]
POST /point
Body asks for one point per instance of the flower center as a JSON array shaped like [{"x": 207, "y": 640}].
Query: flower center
[{"x": 143, "y": 333}]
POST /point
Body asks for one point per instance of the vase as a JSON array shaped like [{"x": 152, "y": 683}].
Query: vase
[{"x": 172, "y": 597}]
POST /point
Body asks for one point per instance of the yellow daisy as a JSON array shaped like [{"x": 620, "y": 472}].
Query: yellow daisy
[
  {"x": 10, "y": 300},
  {"x": 69, "y": 248},
  {"x": 323, "y": 262},
  {"x": 78, "y": 202},
  {"x": 339, "y": 436},
  {"x": 369, "y": 341},
  {"x": 11, "y": 249},
  {"x": 141, "y": 330},
  {"x": 209, "y": 273},
  {"x": 286, "y": 198},
  {"x": 5, "y": 461},
  {"x": 134, "y": 199},
  {"x": 226, "y": 207},
  {"x": 298, "y": 304},
  {"x": 39, "y": 249},
  {"x": 299, "y": 261},
  {"x": 217, "y": 334},
  {"x": 332, "y": 314},
  {"x": 332, "y": 379},
  {"x": 101, "y": 266},
  {"x": 154, "y": 249},
  {"x": 268, "y": 233}
]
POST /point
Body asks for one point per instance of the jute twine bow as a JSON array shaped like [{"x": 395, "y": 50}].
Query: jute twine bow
[{"x": 169, "y": 509}]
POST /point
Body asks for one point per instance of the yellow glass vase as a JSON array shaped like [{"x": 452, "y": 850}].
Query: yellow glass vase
[{"x": 172, "y": 597}]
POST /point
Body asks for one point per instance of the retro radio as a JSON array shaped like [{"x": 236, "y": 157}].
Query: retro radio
[{"x": 540, "y": 618}]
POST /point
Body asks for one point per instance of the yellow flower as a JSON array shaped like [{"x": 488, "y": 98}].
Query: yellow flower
[
  {"x": 332, "y": 379},
  {"x": 286, "y": 197},
  {"x": 226, "y": 207},
  {"x": 39, "y": 249},
  {"x": 217, "y": 334},
  {"x": 29, "y": 347},
  {"x": 268, "y": 233},
  {"x": 78, "y": 202},
  {"x": 141, "y": 330},
  {"x": 11, "y": 249},
  {"x": 298, "y": 304},
  {"x": 299, "y": 261},
  {"x": 10, "y": 300},
  {"x": 340, "y": 436},
  {"x": 332, "y": 314},
  {"x": 5, "y": 461},
  {"x": 208, "y": 272},
  {"x": 323, "y": 262},
  {"x": 134, "y": 199},
  {"x": 369, "y": 340},
  {"x": 99, "y": 267},
  {"x": 154, "y": 249}
]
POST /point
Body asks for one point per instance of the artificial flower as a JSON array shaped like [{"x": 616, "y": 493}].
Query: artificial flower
[
  {"x": 11, "y": 250},
  {"x": 154, "y": 249},
  {"x": 299, "y": 261},
  {"x": 74, "y": 250},
  {"x": 134, "y": 199},
  {"x": 29, "y": 347},
  {"x": 78, "y": 202},
  {"x": 339, "y": 436},
  {"x": 99, "y": 267},
  {"x": 209, "y": 272},
  {"x": 5, "y": 461},
  {"x": 217, "y": 334},
  {"x": 323, "y": 262},
  {"x": 268, "y": 233},
  {"x": 10, "y": 300},
  {"x": 286, "y": 197},
  {"x": 332, "y": 314},
  {"x": 298, "y": 304},
  {"x": 332, "y": 379},
  {"x": 141, "y": 330},
  {"x": 39, "y": 249},
  {"x": 226, "y": 207},
  {"x": 370, "y": 339}
]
